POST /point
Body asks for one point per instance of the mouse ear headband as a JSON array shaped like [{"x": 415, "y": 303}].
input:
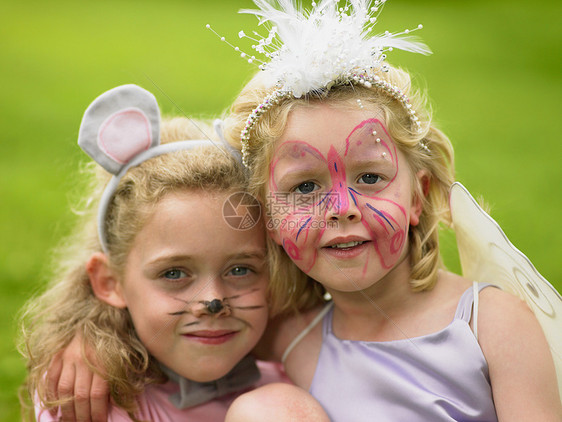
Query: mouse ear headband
[{"x": 120, "y": 130}]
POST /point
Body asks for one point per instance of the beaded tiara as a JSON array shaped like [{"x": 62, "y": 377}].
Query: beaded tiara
[{"x": 308, "y": 51}]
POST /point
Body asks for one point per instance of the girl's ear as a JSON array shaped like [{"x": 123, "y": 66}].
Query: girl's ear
[
  {"x": 421, "y": 190},
  {"x": 104, "y": 283}
]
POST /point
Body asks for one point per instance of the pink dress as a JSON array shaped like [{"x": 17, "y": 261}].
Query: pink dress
[{"x": 155, "y": 405}]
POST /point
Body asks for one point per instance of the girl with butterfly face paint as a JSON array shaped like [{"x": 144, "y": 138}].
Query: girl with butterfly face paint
[
  {"x": 356, "y": 178},
  {"x": 353, "y": 201}
]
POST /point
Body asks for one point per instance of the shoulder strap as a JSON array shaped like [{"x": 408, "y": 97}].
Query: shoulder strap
[
  {"x": 475, "y": 297},
  {"x": 307, "y": 330},
  {"x": 468, "y": 305}
]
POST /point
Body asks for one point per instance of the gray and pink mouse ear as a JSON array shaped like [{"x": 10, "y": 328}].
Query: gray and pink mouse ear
[
  {"x": 119, "y": 125},
  {"x": 120, "y": 130}
]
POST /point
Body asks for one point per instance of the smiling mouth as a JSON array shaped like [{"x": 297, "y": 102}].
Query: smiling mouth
[
  {"x": 346, "y": 245},
  {"x": 211, "y": 337}
]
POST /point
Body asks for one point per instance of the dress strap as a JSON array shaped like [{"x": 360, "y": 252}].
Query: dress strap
[
  {"x": 468, "y": 305},
  {"x": 475, "y": 295},
  {"x": 307, "y": 330}
]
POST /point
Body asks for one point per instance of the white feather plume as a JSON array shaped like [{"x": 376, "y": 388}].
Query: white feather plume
[{"x": 306, "y": 50}]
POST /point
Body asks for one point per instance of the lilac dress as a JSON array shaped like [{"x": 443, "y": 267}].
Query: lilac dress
[{"x": 437, "y": 377}]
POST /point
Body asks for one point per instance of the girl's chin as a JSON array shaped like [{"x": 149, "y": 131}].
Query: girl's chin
[
  {"x": 205, "y": 370},
  {"x": 346, "y": 282}
]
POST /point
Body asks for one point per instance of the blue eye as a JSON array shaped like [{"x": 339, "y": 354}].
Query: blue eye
[
  {"x": 239, "y": 271},
  {"x": 369, "y": 178},
  {"x": 174, "y": 274},
  {"x": 306, "y": 187}
]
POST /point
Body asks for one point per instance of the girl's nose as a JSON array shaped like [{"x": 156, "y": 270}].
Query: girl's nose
[
  {"x": 212, "y": 301},
  {"x": 214, "y": 307},
  {"x": 341, "y": 206}
]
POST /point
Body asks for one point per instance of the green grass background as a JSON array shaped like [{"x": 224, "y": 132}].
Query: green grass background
[{"x": 494, "y": 80}]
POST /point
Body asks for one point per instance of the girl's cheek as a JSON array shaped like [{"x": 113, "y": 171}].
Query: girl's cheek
[
  {"x": 300, "y": 238},
  {"x": 386, "y": 223}
]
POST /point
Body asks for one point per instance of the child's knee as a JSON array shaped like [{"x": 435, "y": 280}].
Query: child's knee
[{"x": 284, "y": 402}]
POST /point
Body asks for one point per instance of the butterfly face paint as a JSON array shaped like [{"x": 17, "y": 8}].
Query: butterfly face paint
[{"x": 340, "y": 197}]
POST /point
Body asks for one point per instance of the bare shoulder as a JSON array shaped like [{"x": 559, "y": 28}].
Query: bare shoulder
[
  {"x": 505, "y": 322},
  {"x": 504, "y": 313},
  {"x": 296, "y": 337},
  {"x": 520, "y": 363},
  {"x": 281, "y": 331}
]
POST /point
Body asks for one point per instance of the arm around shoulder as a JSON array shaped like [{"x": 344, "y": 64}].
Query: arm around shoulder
[{"x": 522, "y": 372}]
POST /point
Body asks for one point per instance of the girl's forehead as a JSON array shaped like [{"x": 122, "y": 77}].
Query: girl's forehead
[
  {"x": 313, "y": 130},
  {"x": 334, "y": 118},
  {"x": 201, "y": 225}
]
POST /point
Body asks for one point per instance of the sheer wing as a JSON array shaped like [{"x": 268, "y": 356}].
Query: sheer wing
[{"x": 487, "y": 255}]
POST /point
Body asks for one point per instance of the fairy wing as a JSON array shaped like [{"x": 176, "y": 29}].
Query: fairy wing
[{"x": 487, "y": 255}]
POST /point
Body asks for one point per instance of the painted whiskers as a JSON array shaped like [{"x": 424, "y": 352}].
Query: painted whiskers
[{"x": 217, "y": 307}]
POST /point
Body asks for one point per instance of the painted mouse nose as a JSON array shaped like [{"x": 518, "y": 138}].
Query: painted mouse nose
[{"x": 214, "y": 307}]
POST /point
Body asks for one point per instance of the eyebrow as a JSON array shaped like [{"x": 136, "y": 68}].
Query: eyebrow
[
  {"x": 248, "y": 255},
  {"x": 378, "y": 160},
  {"x": 168, "y": 258},
  {"x": 257, "y": 254},
  {"x": 312, "y": 171},
  {"x": 299, "y": 169}
]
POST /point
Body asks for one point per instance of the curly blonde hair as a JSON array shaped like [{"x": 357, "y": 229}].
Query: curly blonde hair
[
  {"x": 69, "y": 307},
  {"x": 292, "y": 289}
]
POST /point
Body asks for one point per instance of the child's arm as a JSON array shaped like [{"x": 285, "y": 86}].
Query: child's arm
[
  {"x": 521, "y": 368},
  {"x": 70, "y": 376}
]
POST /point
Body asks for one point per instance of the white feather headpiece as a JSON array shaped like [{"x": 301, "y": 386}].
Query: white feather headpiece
[{"x": 309, "y": 51}]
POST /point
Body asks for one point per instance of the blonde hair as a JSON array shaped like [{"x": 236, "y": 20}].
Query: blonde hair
[
  {"x": 69, "y": 307},
  {"x": 286, "y": 282}
]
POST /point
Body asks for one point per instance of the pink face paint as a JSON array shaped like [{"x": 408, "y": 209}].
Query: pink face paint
[
  {"x": 383, "y": 217},
  {"x": 298, "y": 216},
  {"x": 291, "y": 249},
  {"x": 299, "y": 154},
  {"x": 339, "y": 183}
]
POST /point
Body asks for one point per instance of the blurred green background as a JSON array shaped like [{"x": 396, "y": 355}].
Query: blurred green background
[{"x": 494, "y": 80}]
